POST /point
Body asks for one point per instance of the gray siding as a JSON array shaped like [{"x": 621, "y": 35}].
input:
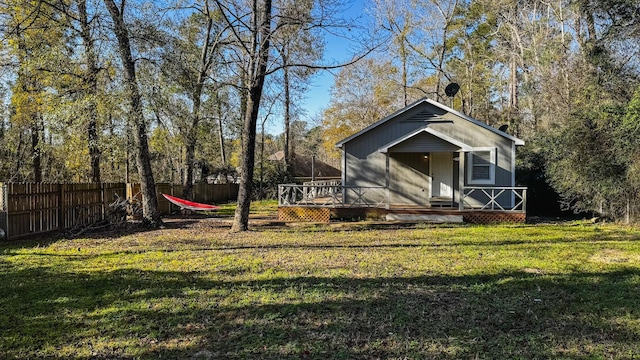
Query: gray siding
[
  {"x": 365, "y": 166},
  {"x": 424, "y": 143},
  {"x": 409, "y": 181},
  {"x": 405, "y": 123},
  {"x": 366, "y": 172}
]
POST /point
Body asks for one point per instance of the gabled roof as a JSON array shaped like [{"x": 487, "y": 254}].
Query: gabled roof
[
  {"x": 438, "y": 105},
  {"x": 302, "y": 165},
  {"x": 429, "y": 130}
]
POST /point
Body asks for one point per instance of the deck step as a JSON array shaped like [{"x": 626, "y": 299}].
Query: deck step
[{"x": 432, "y": 218}]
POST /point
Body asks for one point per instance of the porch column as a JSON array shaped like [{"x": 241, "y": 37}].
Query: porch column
[
  {"x": 344, "y": 174},
  {"x": 461, "y": 176},
  {"x": 387, "y": 180}
]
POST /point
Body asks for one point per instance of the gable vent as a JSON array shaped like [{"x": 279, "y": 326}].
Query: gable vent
[{"x": 426, "y": 117}]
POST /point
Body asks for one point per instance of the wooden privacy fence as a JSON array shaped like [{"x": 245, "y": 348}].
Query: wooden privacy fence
[{"x": 35, "y": 208}]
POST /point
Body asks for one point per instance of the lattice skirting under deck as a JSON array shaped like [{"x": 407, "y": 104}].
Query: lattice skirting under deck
[
  {"x": 321, "y": 214},
  {"x": 486, "y": 217},
  {"x": 312, "y": 214}
]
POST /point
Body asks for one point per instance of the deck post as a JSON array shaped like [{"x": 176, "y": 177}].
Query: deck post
[
  {"x": 344, "y": 173},
  {"x": 387, "y": 181},
  {"x": 461, "y": 175}
]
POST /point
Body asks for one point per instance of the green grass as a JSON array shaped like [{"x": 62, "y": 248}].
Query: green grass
[
  {"x": 194, "y": 290},
  {"x": 261, "y": 207}
]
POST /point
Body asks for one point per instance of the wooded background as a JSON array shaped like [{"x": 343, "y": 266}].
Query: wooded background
[{"x": 173, "y": 91}]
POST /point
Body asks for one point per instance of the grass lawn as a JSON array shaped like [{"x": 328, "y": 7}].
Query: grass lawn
[{"x": 195, "y": 291}]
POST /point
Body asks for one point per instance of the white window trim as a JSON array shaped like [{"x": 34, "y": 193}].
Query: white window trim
[{"x": 492, "y": 167}]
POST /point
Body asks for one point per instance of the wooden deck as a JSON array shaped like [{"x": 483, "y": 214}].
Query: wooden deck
[
  {"x": 398, "y": 213},
  {"x": 323, "y": 202}
]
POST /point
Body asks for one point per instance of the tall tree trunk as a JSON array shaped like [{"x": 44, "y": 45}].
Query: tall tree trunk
[
  {"x": 150, "y": 213},
  {"x": 587, "y": 12},
  {"x": 403, "y": 58},
  {"x": 287, "y": 113},
  {"x": 192, "y": 137},
  {"x": 35, "y": 150},
  {"x": 261, "y": 189},
  {"x": 18, "y": 157},
  {"x": 91, "y": 79},
  {"x": 190, "y": 146},
  {"x": 513, "y": 95},
  {"x": 189, "y": 157},
  {"x": 257, "y": 72},
  {"x": 223, "y": 156},
  {"x": 513, "y": 85},
  {"x": 28, "y": 85}
]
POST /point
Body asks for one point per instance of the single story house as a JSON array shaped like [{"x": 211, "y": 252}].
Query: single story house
[{"x": 426, "y": 156}]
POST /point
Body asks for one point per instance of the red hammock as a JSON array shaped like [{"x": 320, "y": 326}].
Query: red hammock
[{"x": 190, "y": 205}]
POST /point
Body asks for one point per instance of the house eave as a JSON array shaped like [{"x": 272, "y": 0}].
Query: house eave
[
  {"x": 378, "y": 123},
  {"x": 517, "y": 141}
]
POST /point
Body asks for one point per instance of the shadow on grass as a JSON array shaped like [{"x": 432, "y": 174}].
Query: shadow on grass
[
  {"x": 182, "y": 244},
  {"x": 103, "y": 232},
  {"x": 182, "y": 315},
  {"x": 48, "y": 238}
]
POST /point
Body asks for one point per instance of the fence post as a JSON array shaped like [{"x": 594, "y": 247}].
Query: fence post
[
  {"x": 103, "y": 207},
  {"x": 628, "y": 214},
  {"x": 4, "y": 211},
  {"x": 61, "y": 212}
]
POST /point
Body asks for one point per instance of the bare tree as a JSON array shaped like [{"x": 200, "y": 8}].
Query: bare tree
[
  {"x": 150, "y": 213},
  {"x": 256, "y": 49},
  {"x": 254, "y": 28}
]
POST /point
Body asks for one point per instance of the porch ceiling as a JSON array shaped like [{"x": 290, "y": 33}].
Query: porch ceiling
[{"x": 462, "y": 146}]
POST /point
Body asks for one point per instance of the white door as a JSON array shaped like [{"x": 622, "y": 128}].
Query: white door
[{"x": 441, "y": 174}]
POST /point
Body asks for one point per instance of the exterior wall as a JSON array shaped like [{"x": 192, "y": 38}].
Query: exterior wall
[
  {"x": 365, "y": 166},
  {"x": 409, "y": 181},
  {"x": 364, "y": 172},
  {"x": 370, "y": 171},
  {"x": 363, "y": 146},
  {"x": 476, "y": 136},
  {"x": 424, "y": 143}
]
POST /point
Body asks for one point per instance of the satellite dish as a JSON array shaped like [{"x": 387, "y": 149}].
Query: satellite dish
[
  {"x": 504, "y": 127},
  {"x": 452, "y": 89}
]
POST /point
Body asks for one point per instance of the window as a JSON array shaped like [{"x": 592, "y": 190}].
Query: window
[{"x": 482, "y": 166}]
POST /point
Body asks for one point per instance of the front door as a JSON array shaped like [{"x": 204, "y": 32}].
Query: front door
[{"x": 441, "y": 174}]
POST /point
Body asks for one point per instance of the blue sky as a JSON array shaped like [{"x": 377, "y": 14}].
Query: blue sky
[{"x": 336, "y": 50}]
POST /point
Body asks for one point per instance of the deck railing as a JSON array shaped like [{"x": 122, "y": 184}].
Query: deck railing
[
  {"x": 333, "y": 194},
  {"x": 494, "y": 198},
  {"x": 322, "y": 188}
]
